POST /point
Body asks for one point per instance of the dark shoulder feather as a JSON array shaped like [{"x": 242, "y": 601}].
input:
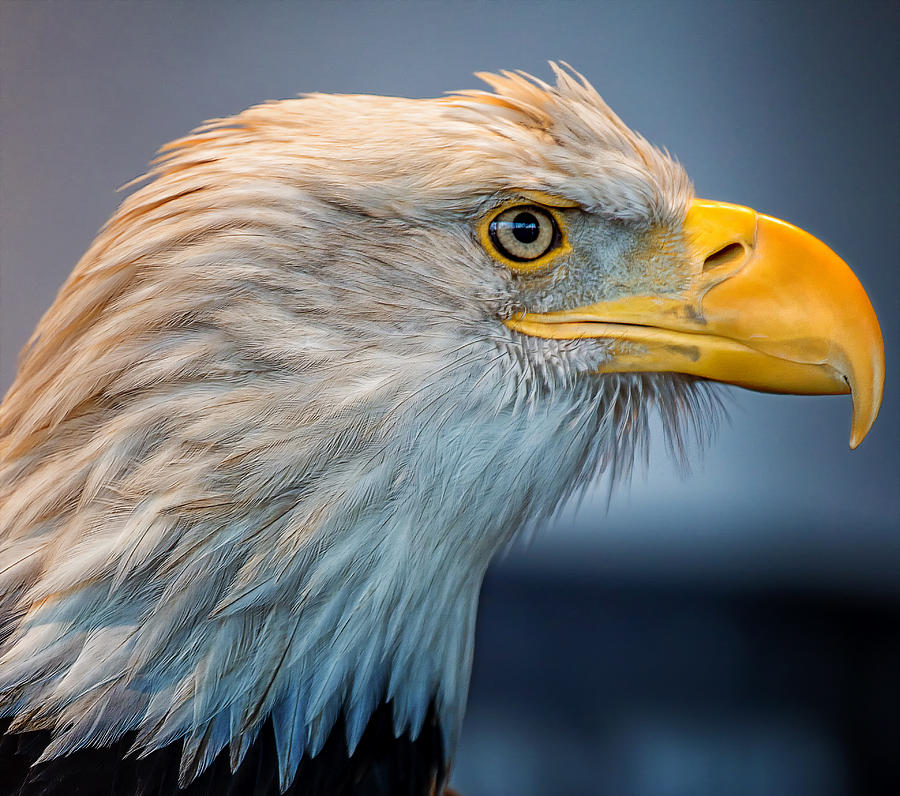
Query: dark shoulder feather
[{"x": 382, "y": 765}]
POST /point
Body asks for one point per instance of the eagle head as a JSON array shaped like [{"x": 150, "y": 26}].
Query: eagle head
[{"x": 329, "y": 359}]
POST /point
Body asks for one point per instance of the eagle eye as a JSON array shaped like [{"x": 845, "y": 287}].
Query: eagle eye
[{"x": 524, "y": 233}]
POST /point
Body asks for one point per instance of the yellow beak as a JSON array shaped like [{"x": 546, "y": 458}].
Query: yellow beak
[{"x": 769, "y": 307}]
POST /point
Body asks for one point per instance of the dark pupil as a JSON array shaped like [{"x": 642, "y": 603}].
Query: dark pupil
[{"x": 525, "y": 227}]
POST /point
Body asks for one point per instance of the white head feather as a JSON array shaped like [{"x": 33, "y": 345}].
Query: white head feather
[{"x": 264, "y": 444}]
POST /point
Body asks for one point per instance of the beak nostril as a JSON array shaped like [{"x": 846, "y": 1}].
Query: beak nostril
[{"x": 727, "y": 255}]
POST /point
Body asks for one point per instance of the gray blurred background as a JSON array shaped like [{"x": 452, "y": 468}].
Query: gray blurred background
[{"x": 733, "y": 632}]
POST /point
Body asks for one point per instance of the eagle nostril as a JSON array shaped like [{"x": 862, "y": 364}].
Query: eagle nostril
[{"x": 727, "y": 255}]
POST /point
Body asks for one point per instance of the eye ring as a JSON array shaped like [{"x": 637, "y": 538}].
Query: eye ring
[
  {"x": 524, "y": 233},
  {"x": 542, "y": 235}
]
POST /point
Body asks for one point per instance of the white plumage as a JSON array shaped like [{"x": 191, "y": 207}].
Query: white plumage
[{"x": 264, "y": 444}]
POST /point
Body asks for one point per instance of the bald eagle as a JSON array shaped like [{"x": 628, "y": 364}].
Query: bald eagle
[{"x": 308, "y": 379}]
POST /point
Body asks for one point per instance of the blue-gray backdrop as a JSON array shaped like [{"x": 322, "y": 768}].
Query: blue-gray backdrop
[{"x": 736, "y": 631}]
